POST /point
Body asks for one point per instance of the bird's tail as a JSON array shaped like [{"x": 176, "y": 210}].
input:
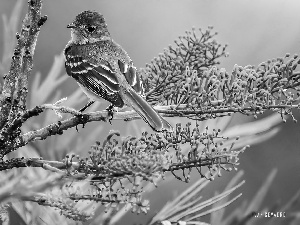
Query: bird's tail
[{"x": 148, "y": 114}]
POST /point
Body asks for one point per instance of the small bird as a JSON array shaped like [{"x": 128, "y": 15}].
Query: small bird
[{"x": 103, "y": 69}]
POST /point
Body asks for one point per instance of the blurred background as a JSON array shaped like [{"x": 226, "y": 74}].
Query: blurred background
[{"x": 255, "y": 31}]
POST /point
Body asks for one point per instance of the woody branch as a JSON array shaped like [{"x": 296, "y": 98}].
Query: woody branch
[{"x": 15, "y": 86}]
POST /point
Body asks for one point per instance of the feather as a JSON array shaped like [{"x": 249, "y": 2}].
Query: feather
[
  {"x": 131, "y": 76},
  {"x": 98, "y": 79}
]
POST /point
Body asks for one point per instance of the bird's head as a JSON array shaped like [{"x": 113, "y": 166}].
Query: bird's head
[{"x": 89, "y": 27}]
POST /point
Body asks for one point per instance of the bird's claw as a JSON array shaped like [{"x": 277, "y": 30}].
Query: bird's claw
[
  {"x": 82, "y": 119},
  {"x": 110, "y": 109}
]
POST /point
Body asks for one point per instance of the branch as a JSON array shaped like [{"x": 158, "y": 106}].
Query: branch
[
  {"x": 170, "y": 111},
  {"x": 16, "y": 82},
  {"x": 15, "y": 87},
  {"x": 66, "y": 207},
  {"x": 146, "y": 157},
  {"x": 35, "y": 162}
]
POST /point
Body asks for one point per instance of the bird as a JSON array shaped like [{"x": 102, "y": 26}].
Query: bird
[{"x": 104, "y": 70}]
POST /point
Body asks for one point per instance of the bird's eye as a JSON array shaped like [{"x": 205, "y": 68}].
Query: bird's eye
[{"x": 90, "y": 29}]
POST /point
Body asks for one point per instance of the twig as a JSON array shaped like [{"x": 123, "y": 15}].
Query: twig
[
  {"x": 60, "y": 126},
  {"x": 35, "y": 162}
]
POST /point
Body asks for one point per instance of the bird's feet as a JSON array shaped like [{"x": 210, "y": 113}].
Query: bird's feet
[
  {"x": 110, "y": 109},
  {"x": 83, "y": 118}
]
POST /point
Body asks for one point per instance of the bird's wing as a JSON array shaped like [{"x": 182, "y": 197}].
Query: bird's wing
[
  {"x": 131, "y": 76},
  {"x": 100, "y": 79}
]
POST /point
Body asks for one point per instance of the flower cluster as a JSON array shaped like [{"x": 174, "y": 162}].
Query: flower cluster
[
  {"x": 187, "y": 78},
  {"x": 151, "y": 155},
  {"x": 118, "y": 169},
  {"x": 273, "y": 85},
  {"x": 66, "y": 207},
  {"x": 165, "y": 77}
]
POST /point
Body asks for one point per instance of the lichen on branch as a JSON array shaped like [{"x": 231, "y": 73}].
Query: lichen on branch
[{"x": 15, "y": 87}]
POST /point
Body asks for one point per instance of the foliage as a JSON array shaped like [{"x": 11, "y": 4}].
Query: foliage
[
  {"x": 187, "y": 78},
  {"x": 183, "y": 82},
  {"x": 168, "y": 75}
]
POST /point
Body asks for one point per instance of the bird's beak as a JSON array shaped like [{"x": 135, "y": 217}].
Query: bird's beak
[{"x": 71, "y": 25}]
